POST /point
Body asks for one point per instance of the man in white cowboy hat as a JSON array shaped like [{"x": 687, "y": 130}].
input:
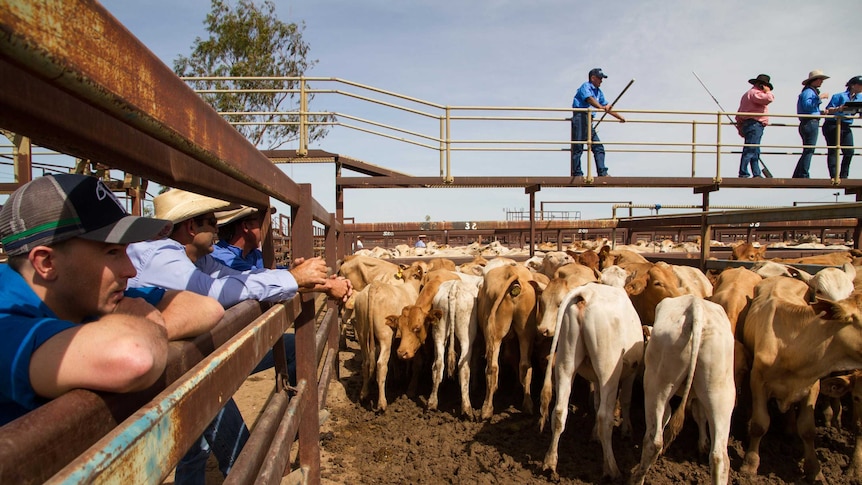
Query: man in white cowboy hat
[
  {"x": 750, "y": 126},
  {"x": 807, "y": 105},
  {"x": 66, "y": 317}
]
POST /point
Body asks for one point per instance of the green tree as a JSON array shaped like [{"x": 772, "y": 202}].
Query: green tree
[{"x": 247, "y": 39}]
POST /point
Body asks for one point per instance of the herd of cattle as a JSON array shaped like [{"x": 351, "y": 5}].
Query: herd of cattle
[{"x": 724, "y": 342}]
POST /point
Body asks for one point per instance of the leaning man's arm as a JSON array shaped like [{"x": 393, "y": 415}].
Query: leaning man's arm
[
  {"x": 117, "y": 353},
  {"x": 188, "y": 314}
]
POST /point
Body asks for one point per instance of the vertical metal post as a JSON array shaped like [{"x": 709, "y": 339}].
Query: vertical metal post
[
  {"x": 704, "y": 232},
  {"x": 589, "y": 177},
  {"x": 303, "y": 119},
  {"x": 837, "y": 179},
  {"x": 717, "y": 178},
  {"x": 302, "y": 233},
  {"x": 448, "y": 179},
  {"x": 693, "y": 146},
  {"x": 442, "y": 145}
]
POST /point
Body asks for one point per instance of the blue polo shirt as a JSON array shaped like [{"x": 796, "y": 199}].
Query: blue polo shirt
[
  {"x": 232, "y": 256},
  {"x": 585, "y": 91},
  {"x": 840, "y": 99},
  {"x": 25, "y": 324},
  {"x": 808, "y": 102}
]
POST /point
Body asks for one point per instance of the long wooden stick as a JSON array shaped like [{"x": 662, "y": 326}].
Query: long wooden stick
[{"x": 615, "y": 102}]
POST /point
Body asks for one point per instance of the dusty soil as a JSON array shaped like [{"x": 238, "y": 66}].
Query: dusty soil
[{"x": 408, "y": 444}]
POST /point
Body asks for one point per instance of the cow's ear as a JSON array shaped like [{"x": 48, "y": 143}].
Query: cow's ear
[
  {"x": 844, "y": 311},
  {"x": 433, "y": 317},
  {"x": 605, "y": 250},
  {"x": 392, "y": 321},
  {"x": 538, "y": 286},
  {"x": 836, "y": 386},
  {"x": 636, "y": 286}
]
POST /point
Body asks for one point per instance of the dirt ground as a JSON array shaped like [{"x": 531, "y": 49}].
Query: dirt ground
[{"x": 408, "y": 444}]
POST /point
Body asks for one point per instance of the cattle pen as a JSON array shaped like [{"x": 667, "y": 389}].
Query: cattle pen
[{"x": 73, "y": 80}]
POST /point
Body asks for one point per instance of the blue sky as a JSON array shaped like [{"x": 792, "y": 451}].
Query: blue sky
[{"x": 516, "y": 53}]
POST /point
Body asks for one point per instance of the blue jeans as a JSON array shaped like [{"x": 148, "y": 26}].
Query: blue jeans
[
  {"x": 808, "y": 132},
  {"x": 846, "y": 140},
  {"x": 752, "y": 130},
  {"x": 580, "y": 122},
  {"x": 227, "y": 433}
]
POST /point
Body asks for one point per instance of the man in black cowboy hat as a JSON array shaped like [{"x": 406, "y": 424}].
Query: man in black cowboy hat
[{"x": 751, "y": 124}]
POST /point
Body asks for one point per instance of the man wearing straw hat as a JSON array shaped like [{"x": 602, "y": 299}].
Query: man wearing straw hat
[
  {"x": 239, "y": 238},
  {"x": 809, "y": 104},
  {"x": 185, "y": 260},
  {"x": 66, "y": 317}
]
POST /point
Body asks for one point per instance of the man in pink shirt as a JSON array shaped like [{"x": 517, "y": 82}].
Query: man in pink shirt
[{"x": 751, "y": 126}]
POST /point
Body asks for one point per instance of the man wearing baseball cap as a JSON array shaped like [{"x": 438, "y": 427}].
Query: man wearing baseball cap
[
  {"x": 65, "y": 318},
  {"x": 841, "y": 135},
  {"x": 589, "y": 95}
]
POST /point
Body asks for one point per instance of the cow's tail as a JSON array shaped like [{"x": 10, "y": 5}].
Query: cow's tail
[
  {"x": 547, "y": 387},
  {"x": 452, "y": 296},
  {"x": 676, "y": 421},
  {"x": 370, "y": 342}
]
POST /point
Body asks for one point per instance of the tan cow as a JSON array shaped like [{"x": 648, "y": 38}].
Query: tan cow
[
  {"x": 748, "y": 252},
  {"x": 608, "y": 257},
  {"x": 507, "y": 304},
  {"x": 648, "y": 285},
  {"x": 475, "y": 267},
  {"x": 373, "y": 305},
  {"x": 692, "y": 281},
  {"x": 734, "y": 290},
  {"x": 831, "y": 259},
  {"x": 794, "y": 344}
]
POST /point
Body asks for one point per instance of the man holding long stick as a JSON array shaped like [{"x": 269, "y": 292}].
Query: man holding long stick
[{"x": 589, "y": 95}]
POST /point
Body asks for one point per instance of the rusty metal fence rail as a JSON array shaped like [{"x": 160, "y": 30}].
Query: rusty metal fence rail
[{"x": 74, "y": 80}]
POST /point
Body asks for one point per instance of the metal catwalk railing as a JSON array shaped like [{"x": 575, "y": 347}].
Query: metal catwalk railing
[{"x": 466, "y": 128}]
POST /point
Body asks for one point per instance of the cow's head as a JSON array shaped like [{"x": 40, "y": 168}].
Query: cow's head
[
  {"x": 748, "y": 252},
  {"x": 412, "y": 328},
  {"x": 647, "y": 289},
  {"x": 848, "y": 310}
]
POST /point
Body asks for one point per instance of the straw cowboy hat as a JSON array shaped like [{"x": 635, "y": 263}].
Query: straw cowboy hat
[
  {"x": 226, "y": 217},
  {"x": 177, "y": 205},
  {"x": 814, "y": 75},
  {"x": 761, "y": 79}
]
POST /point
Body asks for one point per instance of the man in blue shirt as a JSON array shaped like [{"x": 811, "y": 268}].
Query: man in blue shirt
[
  {"x": 65, "y": 319},
  {"x": 809, "y": 104},
  {"x": 239, "y": 238},
  {"x": 589, "y": 95},
  {"x": 842, "y": 135}
]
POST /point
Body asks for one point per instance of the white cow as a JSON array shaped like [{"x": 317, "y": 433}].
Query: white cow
[
  {"x": 599, "y": 335},
  {"x": 454, "y": 307},
  {"x": 690, "y": 353}
]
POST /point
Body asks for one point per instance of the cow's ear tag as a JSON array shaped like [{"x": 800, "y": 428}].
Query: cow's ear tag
[
  {"x": 516, "y": 290},
  {"x": 399, "y": 275}
]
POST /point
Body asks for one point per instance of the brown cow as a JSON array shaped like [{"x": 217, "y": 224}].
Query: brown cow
[
  {"x": 794, "y": 344},
  {"x": 648, "y": 285},
  {"x": 413, "y": 322},
  {"x": 507, "y": 304},
  {"x": 734, "y": 290},
  {"x": 587, "y": 258},
  {"x": 748, "y": 252}
]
